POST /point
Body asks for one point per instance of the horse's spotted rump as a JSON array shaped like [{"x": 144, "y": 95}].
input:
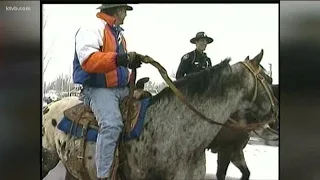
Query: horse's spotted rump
[
  {"x": 89, "y": 157},
  {"x": 45, "y": 110},
  {"x": 54, "y": 122}
]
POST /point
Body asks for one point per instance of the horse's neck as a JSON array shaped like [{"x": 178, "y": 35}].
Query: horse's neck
[
  {"x": 218, "y": 108},
  {"x": 178, "y": 124}
]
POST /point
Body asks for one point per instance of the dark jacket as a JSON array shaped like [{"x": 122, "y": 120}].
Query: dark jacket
[{"x": 192, "y": 62}]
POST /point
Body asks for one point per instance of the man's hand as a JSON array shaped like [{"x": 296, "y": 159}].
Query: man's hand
[
  {"x": 131, "y": 60},
  {"x": 134, "y": 60}
]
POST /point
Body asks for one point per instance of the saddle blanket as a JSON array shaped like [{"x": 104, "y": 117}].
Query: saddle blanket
[{"x": 69, "y": 127}]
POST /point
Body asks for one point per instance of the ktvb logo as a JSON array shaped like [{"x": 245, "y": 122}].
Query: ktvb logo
[{"x": 15, "y": 8}]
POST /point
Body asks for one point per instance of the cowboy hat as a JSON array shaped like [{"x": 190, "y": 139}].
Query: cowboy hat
[
  {"x": 107, "y": 6},
  {"x": 201, "y": 35}
]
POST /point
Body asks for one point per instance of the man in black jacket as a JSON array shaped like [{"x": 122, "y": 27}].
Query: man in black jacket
[{"x": 196, "y": 60}]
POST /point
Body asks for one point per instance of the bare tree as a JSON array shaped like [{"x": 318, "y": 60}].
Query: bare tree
[
  {"x": 44, "y": 88},
  {"x": 172, "y": 75},
  {"x": 153, "y": 87},
  {"x": 270, "y": 69},
  {"x": 62, "y": 85},
  {"x": 48, "y": 43}
]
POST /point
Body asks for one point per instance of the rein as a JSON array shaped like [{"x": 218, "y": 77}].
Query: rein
[{"x": 164, "y": 74}]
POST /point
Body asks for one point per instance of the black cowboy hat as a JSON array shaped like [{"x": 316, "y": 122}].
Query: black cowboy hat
[
  {"x": 107, "y": 6},
  {"x": 201, "y": 35}
]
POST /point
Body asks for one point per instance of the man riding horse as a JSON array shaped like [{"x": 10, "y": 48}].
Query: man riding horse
[{"x": 101, "y": 65}]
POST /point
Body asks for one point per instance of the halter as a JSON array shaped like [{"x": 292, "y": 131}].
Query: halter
[{"x": 258, "y": 77}]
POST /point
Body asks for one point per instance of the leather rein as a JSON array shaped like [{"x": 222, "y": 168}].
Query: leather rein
[{"x": 164, "y": 74}]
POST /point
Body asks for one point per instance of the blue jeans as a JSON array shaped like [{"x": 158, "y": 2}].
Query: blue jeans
[{"x": 104, "y": 103}]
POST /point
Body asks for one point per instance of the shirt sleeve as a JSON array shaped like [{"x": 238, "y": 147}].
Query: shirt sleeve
[
  {"x": 183, "y": 67},
  {"x": 88, "y": 43}
]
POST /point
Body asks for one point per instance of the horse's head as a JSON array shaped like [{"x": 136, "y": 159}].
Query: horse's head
[{"x": 258, "y": 104}]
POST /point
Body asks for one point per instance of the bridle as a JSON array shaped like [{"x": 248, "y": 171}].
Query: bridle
[{"x": 257, "y": 77}]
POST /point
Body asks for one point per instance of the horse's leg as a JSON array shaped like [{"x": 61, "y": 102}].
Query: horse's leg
[
  {"x": 238, "y": 160},
  {"x": 50, "y": 159},
  {"x": 198, "y": 169},
  {"x": 223, "y": 163}
]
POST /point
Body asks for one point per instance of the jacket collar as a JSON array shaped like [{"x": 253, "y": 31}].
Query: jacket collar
[
  {"x": 110, "y": 20},
  {"x": 198, "y": 52}
]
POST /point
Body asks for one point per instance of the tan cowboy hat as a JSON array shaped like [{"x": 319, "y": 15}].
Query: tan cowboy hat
[
  {"x": 107, "y": 6},
  {"x": 201, "y": 35}
]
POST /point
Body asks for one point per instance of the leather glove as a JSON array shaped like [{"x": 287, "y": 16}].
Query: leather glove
[
  {"x": 131, "y": 60},
  {"x": 135, "y": 60}
]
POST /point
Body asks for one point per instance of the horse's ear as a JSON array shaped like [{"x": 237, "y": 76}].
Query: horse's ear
[
  {"x": 256, "y": 60},
  {"x": 247, "y": 58}
]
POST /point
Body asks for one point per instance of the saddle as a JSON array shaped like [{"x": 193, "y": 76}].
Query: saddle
[{"x": 81, "y": 114}]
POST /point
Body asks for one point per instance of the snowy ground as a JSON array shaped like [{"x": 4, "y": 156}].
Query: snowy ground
[{"x": 262, "y": 162}]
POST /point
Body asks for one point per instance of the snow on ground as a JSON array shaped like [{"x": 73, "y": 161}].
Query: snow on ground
[
  {"x": 262, "y": 162},
  {"x": 58, "y": 173}
]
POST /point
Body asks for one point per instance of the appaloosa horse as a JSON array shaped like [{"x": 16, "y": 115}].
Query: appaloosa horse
[{"x": 173, "y": 142}]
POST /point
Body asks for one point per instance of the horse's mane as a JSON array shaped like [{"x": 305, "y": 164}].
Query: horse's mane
[{"x": 198, "y": 83}]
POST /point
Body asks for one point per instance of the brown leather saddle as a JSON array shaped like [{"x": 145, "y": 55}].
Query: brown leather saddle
[{"x": 81, "y": 114}]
